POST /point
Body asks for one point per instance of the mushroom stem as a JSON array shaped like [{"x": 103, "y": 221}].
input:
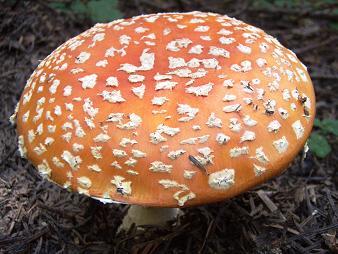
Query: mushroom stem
[{"x": 140, "y": 215}]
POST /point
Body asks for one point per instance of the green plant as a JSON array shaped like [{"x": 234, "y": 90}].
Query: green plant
[
  {"x": 96, "y": 10},
  {"x": 318, "y": 142}
]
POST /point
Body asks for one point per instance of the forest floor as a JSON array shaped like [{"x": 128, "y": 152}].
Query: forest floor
[{"x": 296, "y": 212}]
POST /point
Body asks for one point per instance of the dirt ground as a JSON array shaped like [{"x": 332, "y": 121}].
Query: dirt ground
[{"x": 294, "y": 213}]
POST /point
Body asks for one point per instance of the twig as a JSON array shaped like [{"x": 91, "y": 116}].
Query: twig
[
  {"x": 324, "y": 76},
  {"x": 316, "y": 45},
  {"x": 206, "y": 236},
  {"x": 240, "y": 11},
  {"x": 267, "y": 201},
  {"x": 298, "y": 13},
  {"x": 317, "y": 231}
]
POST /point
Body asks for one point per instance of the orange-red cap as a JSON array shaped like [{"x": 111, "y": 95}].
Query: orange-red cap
[{"x": 172, "y": 109}]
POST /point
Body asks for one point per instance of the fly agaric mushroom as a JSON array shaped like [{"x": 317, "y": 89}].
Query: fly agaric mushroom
[{"x": 165, "y": 110}]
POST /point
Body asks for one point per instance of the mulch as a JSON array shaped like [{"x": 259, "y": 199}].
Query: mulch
[{"x": 293, "y": 213}]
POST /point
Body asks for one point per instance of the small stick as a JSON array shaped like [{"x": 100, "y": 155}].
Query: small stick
[
  {"x": 198, "y": 164},
  {"x": 267, "y": 201}
]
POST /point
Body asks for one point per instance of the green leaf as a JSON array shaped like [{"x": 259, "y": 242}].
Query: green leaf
[
  {"x": 103, "y": 10},
  {"x": 96, "y": 10},
  {"x": 334, "y": 25},
  {"x": 318, "y": 145},
  {"x": 330, "y": 125},
  {"x": 59, "y": 6},
  {"x": 262, "y": 4},
  {"x": 317, "y": 123}
]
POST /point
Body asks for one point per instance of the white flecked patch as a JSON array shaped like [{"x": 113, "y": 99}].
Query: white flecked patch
[
  {"x": 235, "y": 125},
  {"x": 138, "y": 153},
  {"x": 248, "y": 121},
  {"x": 222, "y": 180},
  {"x": 232, "y": 108},
  {"x": 165, "y": 85},
  {"x": 258, "y": 170},
  {"x": 298, "y": 129},
  {"x": 135, "y": 121},
  {"x": 73, "y": 161},
  {"x": 202, "y": 29},
  {"x": 96, "y": 152},
  {"x": 131, "y": 162},
  {"x": 116, "y": 165},
  {"x": 159, "y": 101},
  {"x": 40, "y": 149},
  {"x": 159, "y": 166},
  {"x": 214, "y": 121},
  {"x": 178, "y": 44},
  {"x": 21, "y": 147},
  {"x": 244, "y": 49},
  {"x": 286, "y": 95},
  {"x": 189, "y": 112},
  {"x": 67, "y": 91},
  {"x": 248, "y": 136},
  {"x": 195, "y": 140},
  {"x": 126, "y": 141},
  {"x": 88, "y": 81},
  {"x": 229, "y": 97},
  {"x": 260, "y": 156},
  {"x": 302, "y": 74},
  {"x": 156, "y": 137},
  {"x": 175, "y": 154},
  {"x": 112, "y": 81},
  {"x": 274, "y": 126},
  {"x": 167, "y": 183},
  {"x": 113, "y": 96},
  {"x": 171, "y": 131},
  {"x": 176, "y": 62},
  {"x": 102, "y": 137},
  {"x": 197, "y": 49},
  {"x": 57, "y": 162},
  {"x": 238, "y": 151},
  {"x": 134, "y": 78},
  {"x": 122, "y": 187},
  {"x": 202, "y": 90},
  {"x": 222, "y": 139},
  {"x": 159, "y": 77},
  {"x": 139, "y": 91},
  {"x": 77, "y": 147},
  {"x": 95, "y": 168},
  {"x": 102, "y": 63},
  {"x": 132, "y": 172},
  {"x": 226, "y": 40},
  {"x": 82, "y": 57},
  {"x": 53, "y": 88},
  {"x": 115, "y": 117},
  {"x": 84, "y": 182},
  {"x": 189, "y": 174},
  {"x": 196, "y": 127},
  {"x": 44, "y": 169},
  {"x": 215, "y": 51},
  {"x": 228, "y": 83},
  {"x": 281, "y": 145},
  {"x": 224, "y": 31},
  {"x": 283, "y": 113},
  {"x": 119, "y": 153}
]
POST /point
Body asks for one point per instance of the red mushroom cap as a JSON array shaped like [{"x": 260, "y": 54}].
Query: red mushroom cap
[{"x": 172, "y": 109}]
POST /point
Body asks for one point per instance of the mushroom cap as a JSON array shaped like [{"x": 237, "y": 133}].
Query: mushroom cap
[{"x": 167, "y": 110}]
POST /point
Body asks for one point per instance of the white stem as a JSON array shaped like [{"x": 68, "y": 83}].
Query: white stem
[{"x": 148, "y": 216}]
